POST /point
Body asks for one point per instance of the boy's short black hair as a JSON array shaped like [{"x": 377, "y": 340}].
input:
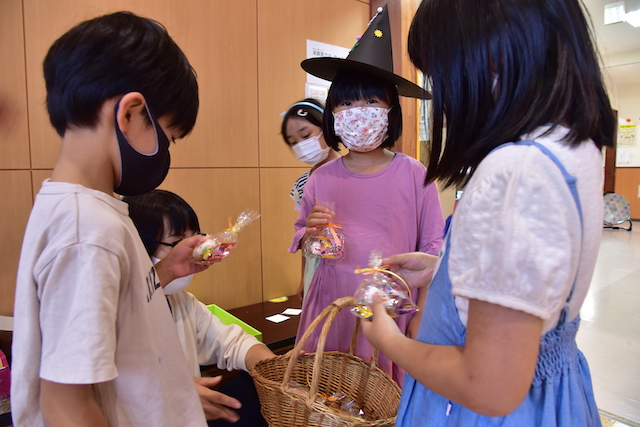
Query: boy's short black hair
[
  {"x": 353, "y": 86},
  {"x": 149, "y": 211},
  {"x": 304, "y": 112},
  {"x": 113, "y": 55}
]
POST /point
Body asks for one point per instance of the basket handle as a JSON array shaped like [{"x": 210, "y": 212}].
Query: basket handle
[
  {"x": 331, "y": 311},
  {"x": 373, "y": 363}
]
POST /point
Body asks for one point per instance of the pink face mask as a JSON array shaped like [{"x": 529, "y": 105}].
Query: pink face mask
[{"x": 362, "y": 128}]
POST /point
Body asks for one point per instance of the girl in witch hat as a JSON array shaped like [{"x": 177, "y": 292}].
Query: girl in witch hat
[
  {"x": 378, "y": 196},
  {"x": 527, "y": 115}
]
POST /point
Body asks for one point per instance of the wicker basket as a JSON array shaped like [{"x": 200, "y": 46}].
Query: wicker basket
[{"x": 285, "y": 405}]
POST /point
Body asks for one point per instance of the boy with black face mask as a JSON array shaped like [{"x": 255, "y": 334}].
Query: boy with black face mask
[{"x": 94, "y": 343}]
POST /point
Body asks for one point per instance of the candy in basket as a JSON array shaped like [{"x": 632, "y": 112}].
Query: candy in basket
[
  {"x": 337, "y": 401},
  {"x": 328, "y": 242},
  {"x": 218, "y": 246},
  {"x": 325, "y": 389},
  {"x": 384, "y": 285}
]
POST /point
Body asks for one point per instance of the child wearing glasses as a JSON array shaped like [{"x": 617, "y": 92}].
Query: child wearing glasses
[{"x": 164, "y": 219}]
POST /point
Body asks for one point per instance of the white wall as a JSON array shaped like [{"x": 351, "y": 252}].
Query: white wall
[{"x": 629, "y": 108}]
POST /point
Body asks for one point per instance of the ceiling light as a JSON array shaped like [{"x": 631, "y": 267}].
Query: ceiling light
[
  {"x": 633, "y": 18},
  {"x": 614, "y": 12}
]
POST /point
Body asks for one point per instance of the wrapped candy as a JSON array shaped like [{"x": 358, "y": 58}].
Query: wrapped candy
[
  {"x": 352, "y": 408},
  {"x": 337, "y": 401},
  {"x": 218, "y": 246},
  {"x": 326, "y": 243},
  {"x": 387, "y": 286},
  {"x": 340, "y": 402}
]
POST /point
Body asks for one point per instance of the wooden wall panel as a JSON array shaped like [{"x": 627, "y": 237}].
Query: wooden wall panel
[
  {"x": 281, "y": 269},
  {"x": 283, "y": 28},
  {"x": 628, "y": 185},
  {"x": 13, "y": 99},
  {"x": 216, "y": 195},
  {"x": 218, "y": 37},
  {"x": 37, "y": 176},
  {"x": 15, "y": 189},
  {"x": 44, "y": 22}
]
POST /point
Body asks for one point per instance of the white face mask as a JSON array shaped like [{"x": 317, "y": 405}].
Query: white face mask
[
  {"x": 310, "y": 151},
  {"x": 177, "y": 285},
  {"x": 362, "y": 128}
]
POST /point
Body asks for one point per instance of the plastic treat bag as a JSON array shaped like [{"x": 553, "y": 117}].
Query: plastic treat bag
[
  {"x": 218, "y": 246},
  {"x": 328, "y": 242},
  {"x": 341, "y": 403},
  {"x": 338, "y": 401},
  {"x": 352, "y": 408},
  {"x": 387, "y": 286}
]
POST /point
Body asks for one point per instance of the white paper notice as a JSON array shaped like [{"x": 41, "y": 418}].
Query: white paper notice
[
  {"x": 292, "y": 311},
  {"x": 623, "y": 156},
  {"x": 277, "y": 318},
  {"x": 316, "y": 87},
  {"x": 316, "y": 92},
  {"x": 627, "y": 135}
]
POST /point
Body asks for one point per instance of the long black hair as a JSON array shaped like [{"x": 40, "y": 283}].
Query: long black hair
[{"x": 502, "y": 68}]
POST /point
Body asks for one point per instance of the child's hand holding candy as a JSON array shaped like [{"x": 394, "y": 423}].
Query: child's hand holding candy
[{"x": 218, "y": 246}]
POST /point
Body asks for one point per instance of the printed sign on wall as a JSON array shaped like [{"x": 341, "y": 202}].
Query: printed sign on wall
[
  {"x": 627, "y": 134},
  {"x": 316, "y": 87}
]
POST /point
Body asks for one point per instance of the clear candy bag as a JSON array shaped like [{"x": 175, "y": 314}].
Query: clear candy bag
[
  {"x": 337, "y": 401},
  {"x": 328, "y": 242},
  {"x": 218, "y": 246},
  {"x": 387, "y": 286}
]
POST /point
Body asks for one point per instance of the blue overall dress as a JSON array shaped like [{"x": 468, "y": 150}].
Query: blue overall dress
[{"x": 561, "y": 393}]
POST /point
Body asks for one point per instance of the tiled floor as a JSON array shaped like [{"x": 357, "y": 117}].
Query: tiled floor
[
  {"x": 609, "y": 420},
  {"x": 609, "y": 334}
]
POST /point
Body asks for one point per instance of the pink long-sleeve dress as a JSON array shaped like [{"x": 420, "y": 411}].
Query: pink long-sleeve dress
[{"x": 390, "y": 211}]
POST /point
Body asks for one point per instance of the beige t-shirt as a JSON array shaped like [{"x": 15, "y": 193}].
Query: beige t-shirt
[{"x": 89, "y": 310}]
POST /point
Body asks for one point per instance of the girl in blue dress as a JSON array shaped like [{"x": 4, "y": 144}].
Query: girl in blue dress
[{"x": 526, "y": 115}]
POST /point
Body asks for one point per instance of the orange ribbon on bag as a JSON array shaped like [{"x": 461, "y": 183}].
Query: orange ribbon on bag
[{"x": 332, "y": 230}]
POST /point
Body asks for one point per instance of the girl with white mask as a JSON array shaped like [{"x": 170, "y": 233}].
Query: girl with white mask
[
  {"x": 378, "y": 195},
  {"x": 163, "y": 219},
  {"x": 302, "y": 131}
]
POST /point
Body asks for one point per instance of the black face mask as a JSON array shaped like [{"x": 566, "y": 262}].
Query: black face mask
[{"x": 141, "y": 173}]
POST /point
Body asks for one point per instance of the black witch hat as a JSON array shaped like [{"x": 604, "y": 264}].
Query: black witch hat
[{"x": 371, "y": 54}]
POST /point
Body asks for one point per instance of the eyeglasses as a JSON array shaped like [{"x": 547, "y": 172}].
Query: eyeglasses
[{"x": 172, "y": 245}]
